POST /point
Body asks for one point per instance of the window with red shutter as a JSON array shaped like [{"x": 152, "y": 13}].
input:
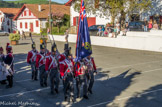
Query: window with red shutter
[
  {"x": 20, "y": 24},
  {"x": 29, "y": 13},
  {"x": 26, "y": 25},
  {"x": 37, "y": 23},
  {"x": 24, "y": 13},
  {"x": 74, "y": 21}
]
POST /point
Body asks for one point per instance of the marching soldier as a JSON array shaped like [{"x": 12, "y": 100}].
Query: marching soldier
[
  {"x": 47, "y": 52},
  {"x": 91, "y": 69},
  {"x": 31, "y": 59},
  {"x": 2, "y": 67},
  {"x": 40, "y": 64},
  {"x": 67, "y": 73},
  {"x": 81, "y": 78},
  {"x": 51, "y": 67},
  {"x": 9, "y": 60}
]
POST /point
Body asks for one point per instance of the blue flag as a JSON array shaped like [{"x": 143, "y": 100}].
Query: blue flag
[{"x": 83, "y": 44}]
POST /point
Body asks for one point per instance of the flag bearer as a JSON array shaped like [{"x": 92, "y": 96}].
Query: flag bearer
[
  {"x": 67, "y": 74},
  {"x": 81, "y": 78}
]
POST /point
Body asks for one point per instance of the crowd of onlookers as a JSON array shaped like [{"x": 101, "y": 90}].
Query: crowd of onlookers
[
  {"x": 148, "y": 25},
  {"x": 116, "y": 29}
]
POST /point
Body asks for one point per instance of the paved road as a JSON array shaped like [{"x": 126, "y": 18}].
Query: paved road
[{"x": 126, "y": 78}]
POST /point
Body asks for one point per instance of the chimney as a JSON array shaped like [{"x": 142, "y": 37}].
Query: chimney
[{"x": 39, "y": 8}]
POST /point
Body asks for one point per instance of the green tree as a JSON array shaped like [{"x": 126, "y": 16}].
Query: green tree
[{"x": 117, "y": 9}]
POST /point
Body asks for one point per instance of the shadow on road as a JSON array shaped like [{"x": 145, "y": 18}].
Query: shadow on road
[{"x": 150, "y": 97}]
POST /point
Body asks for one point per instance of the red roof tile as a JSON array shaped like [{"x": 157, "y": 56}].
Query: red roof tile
[
  {"x": 10, "y": 12},
  {"x": 56, "y": 9}
]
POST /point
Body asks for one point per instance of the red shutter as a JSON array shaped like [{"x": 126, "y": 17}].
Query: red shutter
[
  {"x": 20, "y": 24},
  {"x": 74, "y": 21},
  {"x": 26, "y": 25},
  {"x": 91, "y": 21},
  {"x": 29, "y": 13},
  {"x": 37, "y": 23},
  {"x": 24, "y": 13},
  {"x": 1, "y": 19}
]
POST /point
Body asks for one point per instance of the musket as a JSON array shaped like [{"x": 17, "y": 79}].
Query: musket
[{"x": 31, "y": 38}]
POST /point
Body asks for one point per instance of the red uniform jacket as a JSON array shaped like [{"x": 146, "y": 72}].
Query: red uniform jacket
[
  {"x": 90, "y": 64},
  {"x": 61, "y": 57},
  {"x": 79, "y": 69},
  {"x": 40, "y": 60},
  {"x": 32, "y": 56},
  {"x": 66, "y": 66},
  {"x": 51, "y": 62},
  {"x": 47, "y": 52}
]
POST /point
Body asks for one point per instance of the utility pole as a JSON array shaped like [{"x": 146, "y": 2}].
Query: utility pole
[{"x": 50, "y": 24}]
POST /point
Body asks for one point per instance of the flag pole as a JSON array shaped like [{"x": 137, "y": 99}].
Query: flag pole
[{"x": 78, "y": 28}]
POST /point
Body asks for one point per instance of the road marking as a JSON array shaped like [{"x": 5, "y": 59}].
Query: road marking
[
  {"x": 20, "y": 62},
  {"x": 21, "y": 93},
  {"x": 151, "y": 70},
  {"x": 124, "y": 98},
  {"x": 23, "y": 80},
  {"x": 134, "y": 64},
  {"x": 111, "y": 75}
]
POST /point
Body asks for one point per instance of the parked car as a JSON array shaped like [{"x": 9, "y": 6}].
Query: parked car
[
  {"x": 136, "y": 26},
  {"x": 4, "y": 33},
  {"x": 94, "y": 29}
]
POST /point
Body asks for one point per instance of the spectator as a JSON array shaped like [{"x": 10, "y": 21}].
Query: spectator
[
  {"x": 155, "y": 26},
  {"x": 114, "y": 33},
  {"x": 30, "y": 34},
  {"x": 103, "y": 30},
  {"x": 106, "y": 32},
  {"x": 150, "y": 25},
  {"x": 125, "y": 29},
  {"x": 145, "y": 25},
  {"x": 118, "y": 27},
  {"x": 66, "y": 35},
  {"x": 48, "y": 31},
  {"x": 99, "y": 31},
  {"x": 23, "y": 35}
]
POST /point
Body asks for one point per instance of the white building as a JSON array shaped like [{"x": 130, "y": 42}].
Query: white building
[
  {"x": 93, "y": 19},
  {"x": 34, "y": 17},
  {"x": 6, "y": 19}
]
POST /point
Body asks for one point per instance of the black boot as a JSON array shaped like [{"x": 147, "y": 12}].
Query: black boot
[
  {"x": 52, "y": 92},
  {"x": 85, "y": 96},
  {"x": 66, "y": 99},
  {"x": 56, "y": 90},
  {"x": 3, "y": 82},
  {"x": 90, "y": 91},
  {"x": 45, "y": 84}
]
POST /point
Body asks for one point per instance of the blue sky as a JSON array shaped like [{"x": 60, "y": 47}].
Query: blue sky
[{"x": 59, "y": 1}]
